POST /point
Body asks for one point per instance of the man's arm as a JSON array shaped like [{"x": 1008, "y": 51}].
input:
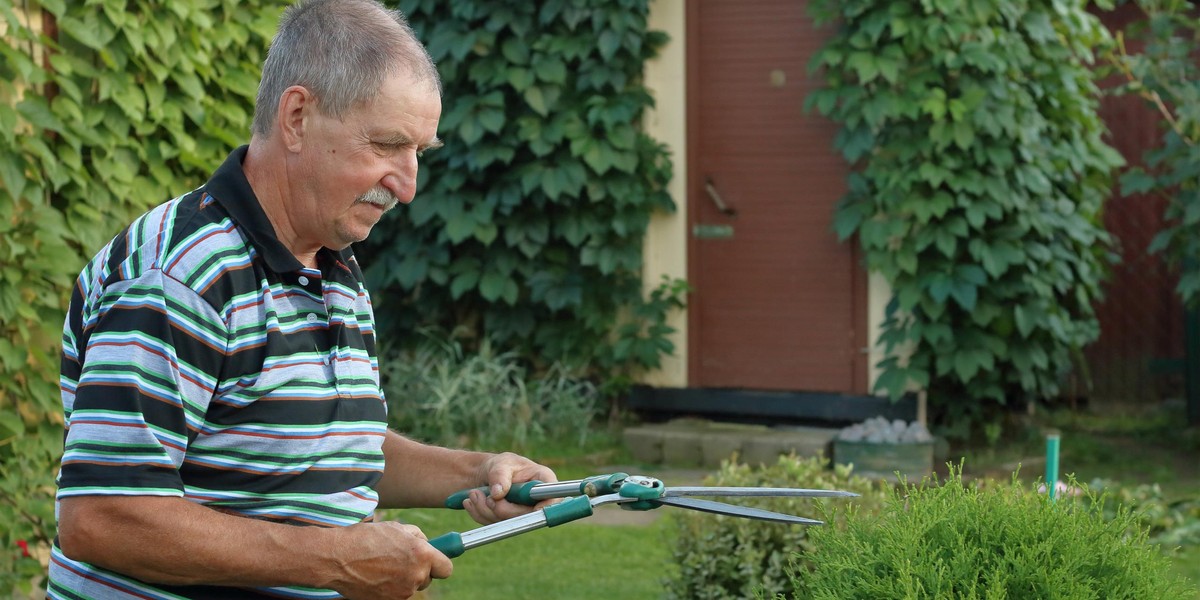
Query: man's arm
[
  {"x": 126, "y": 534},
  {"x": 419, "y": 475}
]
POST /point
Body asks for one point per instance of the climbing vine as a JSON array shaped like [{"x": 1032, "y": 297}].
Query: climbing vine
[
  {"x": 980, "y": 177},
  {"x": 528, "y": 225},
  {"x": 106, "y": 108},
  {"x": 1167, "y": 77}
]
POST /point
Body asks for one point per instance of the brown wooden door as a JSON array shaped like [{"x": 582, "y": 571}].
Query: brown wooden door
[{"x": 780, "y": 305}]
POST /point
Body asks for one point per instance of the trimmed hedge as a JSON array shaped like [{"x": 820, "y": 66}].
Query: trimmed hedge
[{"x": 954, "y": 540}]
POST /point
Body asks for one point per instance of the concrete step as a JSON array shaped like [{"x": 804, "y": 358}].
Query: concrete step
[{"x": 690, "y": 442}]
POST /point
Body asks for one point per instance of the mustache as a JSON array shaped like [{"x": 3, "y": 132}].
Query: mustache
[{"x": 380, "y": 197}]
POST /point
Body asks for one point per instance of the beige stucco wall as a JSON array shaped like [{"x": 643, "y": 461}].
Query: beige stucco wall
[{"x": 665, "y": 249}]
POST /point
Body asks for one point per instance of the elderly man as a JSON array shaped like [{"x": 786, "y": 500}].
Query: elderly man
[{"x": 226, "y": 433}]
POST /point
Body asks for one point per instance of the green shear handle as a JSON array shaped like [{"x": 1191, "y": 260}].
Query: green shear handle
[{"x": 530, "y": 493}]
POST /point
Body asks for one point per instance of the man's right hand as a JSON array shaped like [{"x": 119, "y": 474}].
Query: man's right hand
[{"x": 386, "y": 560}]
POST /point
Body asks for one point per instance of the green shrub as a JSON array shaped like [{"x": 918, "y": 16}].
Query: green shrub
[
  {"x": 485, "y": 400},
  {"x": 995, "y": 541},
  {"x": 727, "y": 557}
]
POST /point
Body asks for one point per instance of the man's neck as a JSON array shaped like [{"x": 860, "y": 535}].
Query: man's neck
[{"x": 266, "y": 172}]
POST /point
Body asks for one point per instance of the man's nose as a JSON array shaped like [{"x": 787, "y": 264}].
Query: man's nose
[{"x": 401, "y": 181}]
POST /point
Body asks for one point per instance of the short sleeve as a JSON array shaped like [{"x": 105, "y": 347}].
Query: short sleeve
[{"x": 150, "y": 350}]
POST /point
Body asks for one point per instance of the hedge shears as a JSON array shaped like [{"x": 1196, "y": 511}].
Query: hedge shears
[{"x": 630, "y": 492}]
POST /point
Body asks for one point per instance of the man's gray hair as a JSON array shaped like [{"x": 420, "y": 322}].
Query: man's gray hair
[{"x": 340, "y": 50}]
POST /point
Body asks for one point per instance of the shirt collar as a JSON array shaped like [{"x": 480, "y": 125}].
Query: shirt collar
[{"x": 230, "y": 188}]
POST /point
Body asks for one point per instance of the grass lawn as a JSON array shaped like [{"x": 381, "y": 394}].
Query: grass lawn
[
  {"x": 575, "y": 560},
  {"x": 1186, "y": 562}
]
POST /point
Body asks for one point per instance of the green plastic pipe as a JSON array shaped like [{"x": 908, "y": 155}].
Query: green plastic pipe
[{"x": 1052, "y": 440}]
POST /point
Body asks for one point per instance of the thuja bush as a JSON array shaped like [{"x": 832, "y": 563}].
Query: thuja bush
[
  {"x": 106, "y": 108},
  {"x": 977, "y": 190},
  {"x": 720, "y": 557},
  {"x": 528, "y": 225},
  {"x": 485, "y": 400},
  {"x": 956, "y": 540}
]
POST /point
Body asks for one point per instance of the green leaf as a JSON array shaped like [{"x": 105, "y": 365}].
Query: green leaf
[
  {"x": 10, "y": 426},
  {"x": 966, "y": 365},
  {"x": 492, "y": 286},
  {"x": 37, "y": 112},
  {"x": 940, "y": 286},
  {"x": 520, "y": 78},
  {"x": 535, "y": 97},
  {"x": 1136, "y": 181},
  {"x": 965, "y": 294},
  {"x": 964, "y": 134},
  {"x": 865, "y": 65},
  {"x": 598, "y": 157},
  {"x": 12, "y": 173},
  {"x": 1024, "y": 321},
  {"x": 608, "y": 43},
  {"x": 550, "y": 69},
  {"x": 462, "y": 283},
  {"x": 848, "y": 218},
  {"x": 492, "y": 119},
  {"x": 516, "y": 50},
  {"x": 460, "y": 227}
]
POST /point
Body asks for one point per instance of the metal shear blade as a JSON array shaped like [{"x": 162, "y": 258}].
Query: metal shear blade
[
  {"x": 674, "y": 491},
  {"x": 721, "y": 508}
]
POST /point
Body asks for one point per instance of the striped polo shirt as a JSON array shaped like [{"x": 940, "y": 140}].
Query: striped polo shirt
[{"x": 202, "y": 360}]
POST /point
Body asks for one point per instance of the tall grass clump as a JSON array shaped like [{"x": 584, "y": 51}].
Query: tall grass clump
[
  {"x": 953, "y": 540},
  {"x": 438, "y": 393}
]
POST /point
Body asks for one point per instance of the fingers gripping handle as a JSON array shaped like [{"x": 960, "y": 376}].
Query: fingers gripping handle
[
  {"x": 517, "y": 494},
  {"x": 530, "y": 493},
  {"x": 450, "y": 544}
]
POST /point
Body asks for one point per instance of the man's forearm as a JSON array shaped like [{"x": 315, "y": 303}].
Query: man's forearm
[
  {"x": 419, "y": 475},
  {"x": 173, "y": 541}
]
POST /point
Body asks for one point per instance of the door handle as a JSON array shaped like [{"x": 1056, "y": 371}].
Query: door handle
[{"x": 715, "y": 196}]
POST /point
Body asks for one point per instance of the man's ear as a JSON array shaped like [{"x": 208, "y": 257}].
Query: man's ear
[{"x": 296, "y": 105}]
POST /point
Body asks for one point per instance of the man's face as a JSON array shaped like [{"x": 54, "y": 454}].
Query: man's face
[{"x": 353, "y": 170}]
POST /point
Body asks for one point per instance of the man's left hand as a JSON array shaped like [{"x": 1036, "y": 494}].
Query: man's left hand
[{"x": 500, "y": 471}]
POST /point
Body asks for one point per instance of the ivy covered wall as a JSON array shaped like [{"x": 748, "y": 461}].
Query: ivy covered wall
[
  {"x": 528, "y": 228},
  {"x": 529, "y": 223}
]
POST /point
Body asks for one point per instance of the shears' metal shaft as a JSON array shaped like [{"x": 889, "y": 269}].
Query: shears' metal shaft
[{"x": 453, "y": 544}]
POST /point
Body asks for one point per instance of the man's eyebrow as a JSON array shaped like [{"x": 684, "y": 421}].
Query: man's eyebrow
[{"x": 399, "y": 139}]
